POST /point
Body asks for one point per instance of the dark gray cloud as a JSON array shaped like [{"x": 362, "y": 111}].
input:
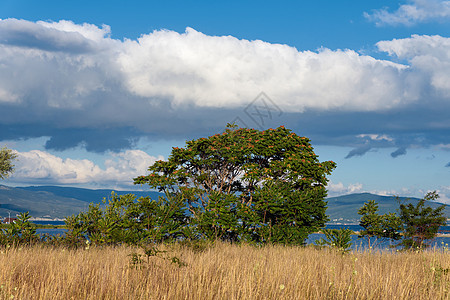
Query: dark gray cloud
[
  {"x": 99, "y": 130},
  {"x": 92, "y": 139},
  {"x": 360, "y": 151},
  {"x": 447, "y": 165},
  {"x": 398, "y": 152},
  {"x": 114, "y": 139}
]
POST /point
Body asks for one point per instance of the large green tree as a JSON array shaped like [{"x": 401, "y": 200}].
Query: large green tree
[
  {"x": 246, "y": 185},
  {"x": 6, "y": 162}
]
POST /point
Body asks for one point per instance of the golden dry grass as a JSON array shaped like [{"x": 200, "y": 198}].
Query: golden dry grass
[{"x": 223, "y": 272}]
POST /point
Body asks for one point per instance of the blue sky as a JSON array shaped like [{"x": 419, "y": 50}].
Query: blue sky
[{"x": 93, "y": 92}]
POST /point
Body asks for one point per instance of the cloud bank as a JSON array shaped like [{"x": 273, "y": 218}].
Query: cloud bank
[
  {"x": 190, "y": 68},
  {"x": 76, "y": 84},
  {"x": 417, "y": 11},
  {"x": 119, "y": 169}
]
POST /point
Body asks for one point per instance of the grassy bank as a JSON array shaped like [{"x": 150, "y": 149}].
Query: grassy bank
[{"x": 222, "y": 272}]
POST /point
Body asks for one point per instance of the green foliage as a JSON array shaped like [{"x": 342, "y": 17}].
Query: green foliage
[
  {"x": 377, "y": 226},
  {"x": 440, "y": 274},
  {"x": 136, "y": 261},
  {"x": 6, "y": 158},
  {"x": 241, "y": 185},
  {"x": 196, "y": 246},
  {"x": 152, "y": 251},
  {"x": 420, "y": 223},
  {"x": 246, "y": 185},
  {"x": 20, "y": 232},
  {"x": 339, "y": 239},
  {"x": 415, "y": 225},
  {"x": 126, "y": 220}
]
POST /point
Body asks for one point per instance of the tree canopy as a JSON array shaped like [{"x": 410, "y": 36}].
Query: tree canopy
[
  {"x": 420, "y": 222},
  {"x": 246, "y": 185},
  {"x": 6, "y": 158},
  {"x": 378, "y": 226},
  {"x": 416, "y": 225}
]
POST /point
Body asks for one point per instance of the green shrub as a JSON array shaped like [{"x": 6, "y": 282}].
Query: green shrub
[{"x": 339, "y": 239}]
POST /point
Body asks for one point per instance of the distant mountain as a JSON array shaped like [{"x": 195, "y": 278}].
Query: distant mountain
[
  {"x": 87, "y": 195},
  {"x": 38, "y": 203},
  {"x": 53, "y": 201},
  {"x": 344, "y": 209},
  {"x": 60, "y": 202}
]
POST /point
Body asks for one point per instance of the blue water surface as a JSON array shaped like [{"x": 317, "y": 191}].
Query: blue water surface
[
  {"x": 386, "y": 244},
  {"x": 357, "y": 243}
]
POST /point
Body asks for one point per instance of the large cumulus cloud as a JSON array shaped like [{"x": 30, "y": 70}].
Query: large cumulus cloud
[
  {"x": 79, "y": 86},
  {"x": 208, "y": 71}
]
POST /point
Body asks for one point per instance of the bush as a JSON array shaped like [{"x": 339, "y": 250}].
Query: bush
[{"x": 20, "y": 232}]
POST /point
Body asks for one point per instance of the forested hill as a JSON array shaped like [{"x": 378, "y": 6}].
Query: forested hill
[
  {"x": 87, "y": 195},
  {"x": 54, "y": 201},
  {"x": 344, "y": 209},
  {"x": 59, "y": 202}
]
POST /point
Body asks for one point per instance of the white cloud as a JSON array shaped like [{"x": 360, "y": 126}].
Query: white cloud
[
  {"x": 417, "y": 11},
  {"x": 210, "y": 71},
  {"x": 445, "y": 147},
  {"x": 6, "y": 96},
  {"x": 415, "y": 192},
  {"x": 444, "y": 194},
  {"x": 376, "y": 137},
  {"x": 40, "y": 167},
  {"x": 88, "y": 31},
  {"x": 338, "y": 189},
  {"x": 429, "y": 57},
  {"x": 67, "y": 66}
]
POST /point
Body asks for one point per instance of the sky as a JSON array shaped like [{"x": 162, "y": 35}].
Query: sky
[{"x": 93, "y": 92}]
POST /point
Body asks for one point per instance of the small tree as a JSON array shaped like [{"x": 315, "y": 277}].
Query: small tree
[
  {"x": 6, "y": 165},
  {"x": 421, "y": 223},
  {"x": 378, "y": 226},
  {"x": 20, "y": 232},
  {"x": 339, "y": 239},
  {"x": 245, "y": 184}
]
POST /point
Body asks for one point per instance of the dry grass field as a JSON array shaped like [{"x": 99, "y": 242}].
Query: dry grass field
[{"x": 222, "y": 272}]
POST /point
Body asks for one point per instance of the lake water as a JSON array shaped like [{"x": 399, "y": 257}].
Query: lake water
[
  {"x": 50, "y": 231},
  {"x": 439, "y": 242},
  {"x": 362, "y": 243},
  {"x": 49, "y": 222}
]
